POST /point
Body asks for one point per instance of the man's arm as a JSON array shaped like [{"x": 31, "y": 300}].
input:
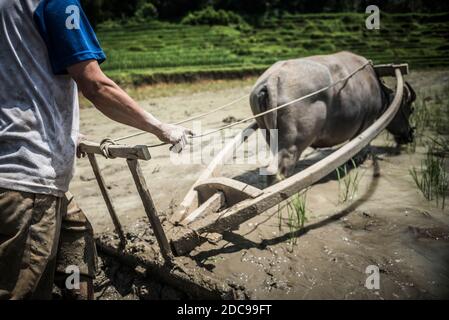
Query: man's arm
[{"x": 116, "y": 104}]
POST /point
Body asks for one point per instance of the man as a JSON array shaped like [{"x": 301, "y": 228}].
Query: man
[{"x": 47, "y": 50}]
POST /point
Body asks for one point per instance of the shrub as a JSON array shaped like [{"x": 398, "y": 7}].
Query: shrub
[
  {"x": 327, "y": 47},
  {"x": 109, "y": 25},
  {"x": 351, "y": 19},
  {"x": 147, "y": 11},
  {"x": 210, "y": 16},
  {"x": 432, "y": 179}
]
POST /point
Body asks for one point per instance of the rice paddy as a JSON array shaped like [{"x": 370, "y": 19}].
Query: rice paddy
[
  {"x": 431, "y": 120},
  {"x": 432, "y": 178},
  {"x": 162, "y": 51},
  {"x": 296, "y": 209},
  {"x": 348, "y": 181}
]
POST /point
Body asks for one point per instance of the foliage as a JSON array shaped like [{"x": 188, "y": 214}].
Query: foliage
[
  {"x": 430, "y": 119},
  {"x": 348, "y": 182},
  {"x": 210, "y": 16},
  {"x": 432, "y": 178},
  {"x": 102, "y": 10},
  {"x": 136, "y": 49},
  {"x": 146, "y": 11},
  {"x": 296, "y": 208}
]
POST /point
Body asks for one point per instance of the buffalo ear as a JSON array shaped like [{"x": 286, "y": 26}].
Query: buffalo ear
[{"x": 412, "y": 92}]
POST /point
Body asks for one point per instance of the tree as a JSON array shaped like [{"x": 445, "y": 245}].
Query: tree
[
  {"x": 100, "y": 10},
  {"x": 146, "y": 11}
]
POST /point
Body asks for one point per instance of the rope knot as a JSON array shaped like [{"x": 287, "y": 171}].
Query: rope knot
[{"x": 104, "y": 147}]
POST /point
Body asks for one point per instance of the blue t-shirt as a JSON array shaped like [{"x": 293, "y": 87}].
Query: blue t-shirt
[
  {"x": 67, "y": 33},
  {"x": 39, "y": 117}
]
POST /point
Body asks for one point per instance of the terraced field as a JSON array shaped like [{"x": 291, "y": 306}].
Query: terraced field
[{"x": 162, "y": 51}]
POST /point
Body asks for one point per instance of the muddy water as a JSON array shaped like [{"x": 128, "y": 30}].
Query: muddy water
[{"x": 387, "y": 224}]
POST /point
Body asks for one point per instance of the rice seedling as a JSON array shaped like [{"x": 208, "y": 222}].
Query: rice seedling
[
  {"x": 432, "y": 178},
  {"x": 440, "y": 145},
  {"x": 348, "y": 182},
  {"x": 420, "y": 120},
  {"x": 296, "y": 210},
  {"x": 431, "y": 119}
]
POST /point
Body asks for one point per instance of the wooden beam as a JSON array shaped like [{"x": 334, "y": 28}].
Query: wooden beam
[
  {"x": 150, "y": 209},
  {"x": 191, "y": 201},
  {"x": 186, "y": 239},
  {"x": 388, "y": 70},
  {"x": 234, "y": 191},
  {"x": 140, "y": 152},
  {"x": 107, "y": 199},
  {"x": 212, "y": 205}
]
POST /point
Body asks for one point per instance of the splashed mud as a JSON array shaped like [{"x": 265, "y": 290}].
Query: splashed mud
[{"x": 387, "y": 223}]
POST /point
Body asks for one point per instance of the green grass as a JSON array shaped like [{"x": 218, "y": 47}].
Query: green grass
[
  {"x": 420, "y": 120},
  {"x": 348, "y": 182},
  {"x": 162, "y": 51},
  {"x": 432, "y": 179},
  {"x": 440, "y": 146},
  {"x": 296, "y": 208},
  {"x": 431, "y": 119}
]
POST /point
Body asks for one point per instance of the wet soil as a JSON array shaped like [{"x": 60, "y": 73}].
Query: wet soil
[{"x": 387, "y": 223}]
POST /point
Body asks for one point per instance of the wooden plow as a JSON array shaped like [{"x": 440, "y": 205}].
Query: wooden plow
[{"x": 216, "y": 204}]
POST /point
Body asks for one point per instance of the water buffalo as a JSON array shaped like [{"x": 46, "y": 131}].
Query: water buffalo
[{"x": 331, "y": 117}]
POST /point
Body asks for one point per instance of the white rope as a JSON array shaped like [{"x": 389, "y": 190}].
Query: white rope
[
  {"x": 285, "y": 104},
  {"x": 249, "y": 118},
  {"x": 202, "y": 115}
]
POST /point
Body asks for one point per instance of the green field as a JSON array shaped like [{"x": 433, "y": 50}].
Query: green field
[{"x": 162, "y": 51}]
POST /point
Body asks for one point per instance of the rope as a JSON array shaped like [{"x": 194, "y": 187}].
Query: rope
[
  {"x": 246, "y": 119},
  {"x": 104, "y": 147},
  {"x": 201, "y": 115},
  {"x": 286, "y": 104}
]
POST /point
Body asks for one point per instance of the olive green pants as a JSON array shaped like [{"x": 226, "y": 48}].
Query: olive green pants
[{"x": 41, "y": 236}]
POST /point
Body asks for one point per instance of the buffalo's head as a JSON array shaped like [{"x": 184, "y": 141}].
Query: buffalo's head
[{"x": 400, "y": 126}]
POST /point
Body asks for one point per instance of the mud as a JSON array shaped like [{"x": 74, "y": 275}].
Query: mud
[
  {"x": 387, "y": 224},
  {"x": 117, "y": 281}
]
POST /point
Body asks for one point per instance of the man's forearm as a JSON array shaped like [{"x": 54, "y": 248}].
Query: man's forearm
[
  {"x": 116, "y": 104},
  {"x": 113, "y": 102}
]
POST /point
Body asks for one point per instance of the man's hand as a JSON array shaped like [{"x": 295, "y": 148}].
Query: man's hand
[{"x": 175, "y": 135}]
